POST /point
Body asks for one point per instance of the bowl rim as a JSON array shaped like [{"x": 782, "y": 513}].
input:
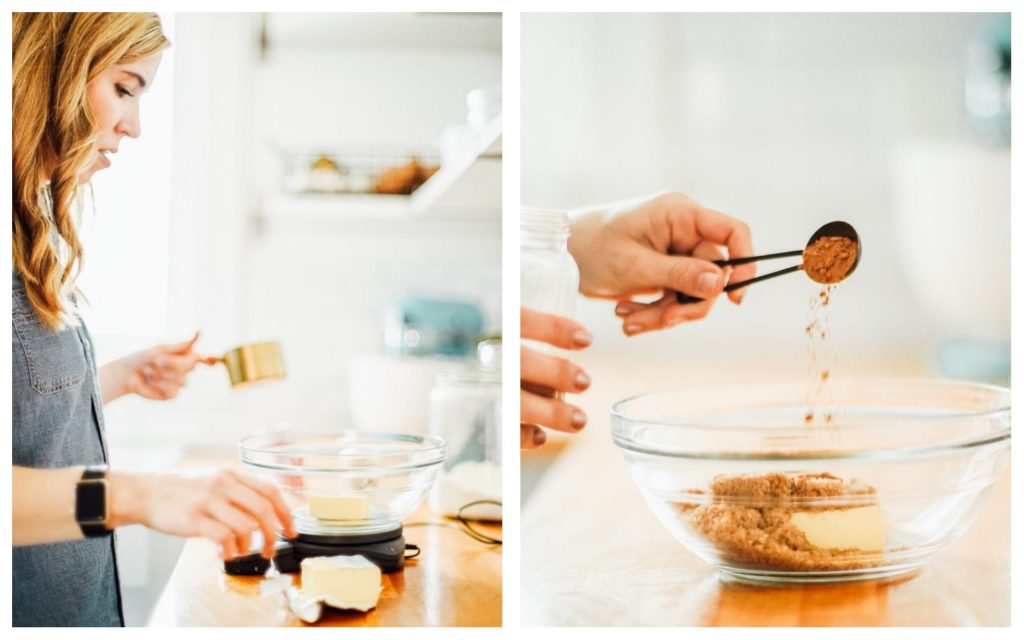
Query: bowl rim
[
  {"x": 259, "y": 444},
  {"x": 623, "y": 441}
]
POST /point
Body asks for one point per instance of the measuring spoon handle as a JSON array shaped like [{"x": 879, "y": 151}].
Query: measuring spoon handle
[
  {"x": 767, "y": 256},
  {"x": 683, "y": 298}
]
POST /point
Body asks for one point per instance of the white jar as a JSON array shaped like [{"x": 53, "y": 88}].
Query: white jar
[
  {"x": 549, "y": 277},
  {"x": 465, "y": 410}
]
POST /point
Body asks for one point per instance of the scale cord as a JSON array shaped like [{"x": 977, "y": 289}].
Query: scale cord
[{"x": 464, "y": 525}]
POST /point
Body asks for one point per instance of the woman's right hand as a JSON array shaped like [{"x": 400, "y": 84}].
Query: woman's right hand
[
  {"x": 542, "y": 375},
  {"x": 661, "y": 244},
  {"x": 225, "y": 506}
]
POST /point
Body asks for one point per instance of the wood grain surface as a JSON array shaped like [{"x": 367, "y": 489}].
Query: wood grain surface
[{"x": 456, "y": 581}]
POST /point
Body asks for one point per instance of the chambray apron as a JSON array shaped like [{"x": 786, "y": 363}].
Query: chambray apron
[{"x": 58, "y": 422}]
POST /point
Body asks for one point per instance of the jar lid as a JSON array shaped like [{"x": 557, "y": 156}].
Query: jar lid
[
  {"x": 467, "y": 376},
  {"x": 488, "y": 353},
  {"x": 547, "y": 221}
]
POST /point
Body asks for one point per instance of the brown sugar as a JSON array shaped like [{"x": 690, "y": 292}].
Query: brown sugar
[
  {"x": 829, "y": 259},
  {"x": 749, "y": 521}
]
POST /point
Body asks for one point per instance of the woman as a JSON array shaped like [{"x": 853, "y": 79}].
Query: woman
[
  {"x": 78, "y": 79},
  {"x": 661, "y": 244}
]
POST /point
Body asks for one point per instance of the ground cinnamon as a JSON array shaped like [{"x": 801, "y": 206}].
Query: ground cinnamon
[{"x": 829, "y": 259}]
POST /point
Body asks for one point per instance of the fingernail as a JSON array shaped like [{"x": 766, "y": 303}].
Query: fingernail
[
  {"x": 582, "y": 380},
  {"x": 582, "y": 338},
  {"x": 630, "y": 329},
  {"x": 579, "y": 420},
  {"x": 622, "y": 309},
  {"x": 707, "y": 283},
  {"x": 539, "y": 437}
]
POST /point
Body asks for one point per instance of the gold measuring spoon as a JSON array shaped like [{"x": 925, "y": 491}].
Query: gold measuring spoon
[
  {"x": 252, "y": 363},
  {"x": 826, "y": 259}
]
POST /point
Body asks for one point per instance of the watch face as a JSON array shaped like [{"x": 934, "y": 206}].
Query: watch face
[{"x": 91, "y": 501}]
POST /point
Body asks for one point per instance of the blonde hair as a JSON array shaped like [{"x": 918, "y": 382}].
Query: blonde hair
[{"x": 56, "y": 55}]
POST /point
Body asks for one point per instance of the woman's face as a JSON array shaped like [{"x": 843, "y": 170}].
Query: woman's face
[{"x": 114, "y": 102}]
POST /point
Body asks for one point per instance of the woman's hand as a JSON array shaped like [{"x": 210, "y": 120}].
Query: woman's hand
[
  {"x": 542, "y": 376},
  {"x": 226, "y": 507},
  {"x": 158, "y": 373},
  {"x": 660, "y": 245}
]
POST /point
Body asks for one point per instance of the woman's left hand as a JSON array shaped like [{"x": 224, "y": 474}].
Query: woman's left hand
[{"x": 158, "y": 373}]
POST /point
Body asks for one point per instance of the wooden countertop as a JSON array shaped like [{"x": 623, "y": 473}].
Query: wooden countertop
[
  {"x": 456, "y": 581},
  {"x": 594, "y": 554}
]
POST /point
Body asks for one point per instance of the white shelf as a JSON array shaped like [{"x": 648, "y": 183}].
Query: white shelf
[
  {"x": 465, "y": 187},
  {"x": 326, "y": 206},
  {"x": 472, "y": 182}
]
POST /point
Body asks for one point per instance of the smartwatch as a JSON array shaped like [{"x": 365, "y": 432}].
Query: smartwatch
[{"x": 92, "y": 502}]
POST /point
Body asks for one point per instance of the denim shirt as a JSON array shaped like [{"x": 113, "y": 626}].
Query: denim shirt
[{"x": 57, "y": 422}]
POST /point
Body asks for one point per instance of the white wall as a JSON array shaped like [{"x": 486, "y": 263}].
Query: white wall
[
  {"x": 319, "y": 287},
  {"x": 786, "y": 121},
  {"x": 315, "y": 99}
]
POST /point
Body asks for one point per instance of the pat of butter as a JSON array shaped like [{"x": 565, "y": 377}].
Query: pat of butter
[
  {"x": 339, "y": 507},
  {"x": 345, "y": 582},
  {"x": 857, "y": 528}
]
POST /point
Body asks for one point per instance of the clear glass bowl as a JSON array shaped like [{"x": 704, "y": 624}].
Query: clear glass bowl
[
  {"x": 372, "y": 480},
  {"x": 735, "y": 473}
]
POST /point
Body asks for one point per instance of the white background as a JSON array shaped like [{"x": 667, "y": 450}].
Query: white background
[{"x": 785, "y": 121}]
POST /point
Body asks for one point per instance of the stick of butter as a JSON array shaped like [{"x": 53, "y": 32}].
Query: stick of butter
[
  {"x": 345, "y": 582},
  {"x": 339, "y": 507},
  {"x": 857, "y": 528}
]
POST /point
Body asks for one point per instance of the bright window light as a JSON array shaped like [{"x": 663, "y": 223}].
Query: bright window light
[{"x": 125, "y": 275}]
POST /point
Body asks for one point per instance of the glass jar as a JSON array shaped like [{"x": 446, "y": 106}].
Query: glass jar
[
  {"x": 550, "y": 278},
  {"x": 465, "y": 410}
]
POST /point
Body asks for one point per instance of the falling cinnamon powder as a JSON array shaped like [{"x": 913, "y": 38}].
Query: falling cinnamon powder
[
  {"x": 827, "y": 260},
  {"x": 820, "y": 359}
]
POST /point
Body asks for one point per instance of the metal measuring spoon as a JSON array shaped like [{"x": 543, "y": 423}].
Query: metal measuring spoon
[{"x": 836, "y": 229}]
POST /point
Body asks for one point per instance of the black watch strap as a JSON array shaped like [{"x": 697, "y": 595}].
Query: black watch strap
[{"x": 91, "y": 505}]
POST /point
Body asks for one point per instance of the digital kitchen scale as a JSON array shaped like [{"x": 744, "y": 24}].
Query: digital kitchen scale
[
  {"x": 349, "y": 492},
  {"x": 386, "y": 549}
]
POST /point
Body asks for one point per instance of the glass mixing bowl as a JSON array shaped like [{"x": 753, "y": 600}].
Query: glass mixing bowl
[
  {"x": 738, "y": 477},
  {"x": 357, "y": 482}
]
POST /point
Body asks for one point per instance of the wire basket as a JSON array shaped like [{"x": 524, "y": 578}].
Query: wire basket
[{"x": 360, "y": 171}]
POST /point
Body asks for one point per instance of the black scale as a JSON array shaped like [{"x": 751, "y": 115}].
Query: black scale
[{"x": 386, "y": 549}]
